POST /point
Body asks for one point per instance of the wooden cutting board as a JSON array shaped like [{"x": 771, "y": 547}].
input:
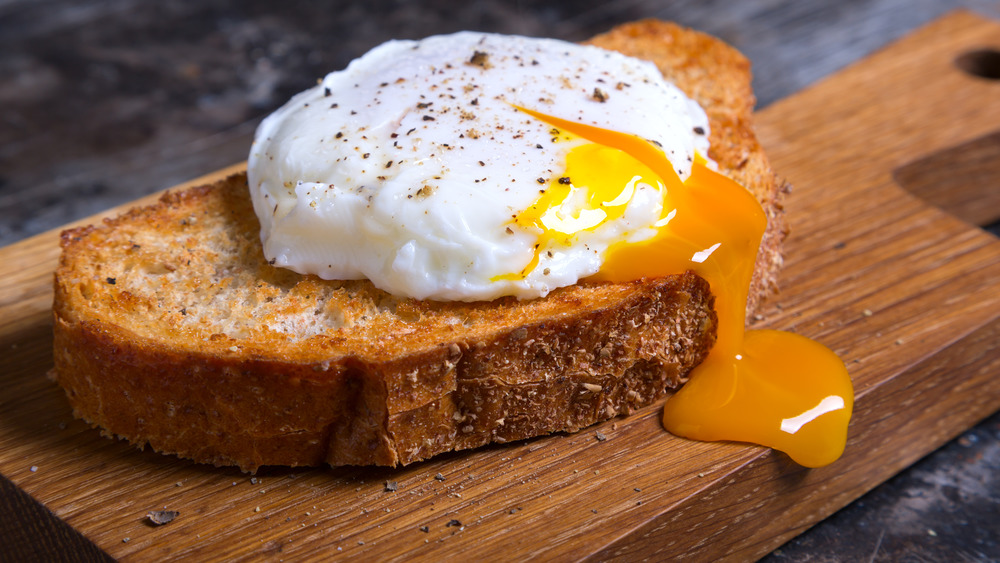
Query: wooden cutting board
[{"x": 907, "y": 294}]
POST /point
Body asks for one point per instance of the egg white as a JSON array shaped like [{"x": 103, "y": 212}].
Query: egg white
[{"x": 408, "y": 167}]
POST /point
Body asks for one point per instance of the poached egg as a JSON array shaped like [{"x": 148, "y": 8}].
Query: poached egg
[{"x": 428, "y": 167}]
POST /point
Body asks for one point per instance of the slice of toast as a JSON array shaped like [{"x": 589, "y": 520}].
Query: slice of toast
[{"x": 172, "y": 330}]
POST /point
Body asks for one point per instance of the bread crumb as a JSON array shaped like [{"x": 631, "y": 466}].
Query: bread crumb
[{"x": 161, "y": 517}]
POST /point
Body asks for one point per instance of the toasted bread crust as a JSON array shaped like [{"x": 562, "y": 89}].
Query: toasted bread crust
[
  {"x": 172, "y": 330},
  {"x": 717, "y": 76}
]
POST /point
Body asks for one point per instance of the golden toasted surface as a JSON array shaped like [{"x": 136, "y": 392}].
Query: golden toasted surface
[
  {"x": 171, "y": 329},
  {"x": 189, "y": 273}
]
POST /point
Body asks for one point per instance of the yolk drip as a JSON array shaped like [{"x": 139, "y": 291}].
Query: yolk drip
[{"x": 768, "y": 387}]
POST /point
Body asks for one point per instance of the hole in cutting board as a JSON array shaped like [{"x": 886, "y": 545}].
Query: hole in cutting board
[
  {"x": 984, "y": 63},
  {"x": 963, "y": 180}
]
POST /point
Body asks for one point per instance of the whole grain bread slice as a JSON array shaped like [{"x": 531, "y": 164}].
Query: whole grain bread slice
[{"x": 172, "y": 330}]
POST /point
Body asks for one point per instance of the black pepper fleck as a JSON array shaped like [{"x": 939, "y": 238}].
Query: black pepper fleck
[{"x": 480, "y": 59}]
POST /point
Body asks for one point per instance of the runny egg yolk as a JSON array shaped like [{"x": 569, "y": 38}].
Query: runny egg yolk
[{"x": 768, "y": 387}]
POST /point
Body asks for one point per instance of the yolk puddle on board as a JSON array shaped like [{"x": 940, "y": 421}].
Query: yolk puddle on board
[{"x": 768, "y": 387}]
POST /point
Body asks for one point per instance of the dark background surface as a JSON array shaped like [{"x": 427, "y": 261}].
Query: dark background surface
[{"x": 104, "y": 101}]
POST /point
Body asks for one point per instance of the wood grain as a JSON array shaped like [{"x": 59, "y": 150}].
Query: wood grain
[{"x": 905, "y": 293}]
